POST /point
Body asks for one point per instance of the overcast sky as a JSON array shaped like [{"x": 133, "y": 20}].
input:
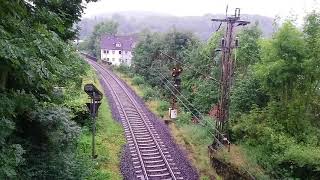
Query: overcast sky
[{"x": 271, "y": 8}]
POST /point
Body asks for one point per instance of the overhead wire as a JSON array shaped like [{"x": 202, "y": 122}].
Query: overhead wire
[
  {"x": 207, "y": 76},
  {"x": 213, "y": 126},
  {"x": 180, "y": 92},
  {"x": 213, "y": 135}
]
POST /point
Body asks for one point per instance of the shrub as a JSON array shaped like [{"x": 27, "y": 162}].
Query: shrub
[
  {"x": 123, "y": 69},
  {"x": 138, "y": 80},
  {"x": 148, "y": 94},
  {"x": 184, "y": 118},
  {"x": 163, "y": 108}
]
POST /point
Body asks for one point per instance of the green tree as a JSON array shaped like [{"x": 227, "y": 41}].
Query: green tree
[
  {"x": 59, "y": 15},
  {"x": 38, "y": 136},
  {"x": 281, "y": 69},
  {"x": 249, "y": 51},
  {"x": 108, "y": 27}
]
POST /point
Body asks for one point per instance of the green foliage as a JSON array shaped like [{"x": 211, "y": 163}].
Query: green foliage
[
  {"x": 184, "y": 118},
  {"x": 108, "y": 27},
  {"x": 276, "y": 150},
  {"x": 148, "y": 61},
  {"x": 124, "y": 69},
  {"x": 138, "y": 80},
  {"x": 59, "y": 16},
  {"x": 249, "y": 51},
  {"x": 200, "y": 136},
  {"x": 163, "y": 108},
  {"x": 38, "y": 72},
  {"x": 148, "y": 93},
  {"x": 281, "y": 131},
  {"x": 246, "y": 94},
  {"x": 282, "y": 59}
]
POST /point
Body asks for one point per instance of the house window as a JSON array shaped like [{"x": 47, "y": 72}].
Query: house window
[
  {"x": 112, "y": 59},
  {"x": 119, "y": 52},
  {"x": 126, "y": 52},
  {"x": 107, "y": 59},
  {"x": 104, "y": 51},
  {"x": 107, "y": 51},
  {"x": 113, "y": 52}
]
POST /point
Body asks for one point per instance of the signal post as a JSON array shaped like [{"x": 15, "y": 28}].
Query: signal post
[{"x": 176, "y": 71}]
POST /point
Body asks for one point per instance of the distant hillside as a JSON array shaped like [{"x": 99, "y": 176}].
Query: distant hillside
[{"x": 134, "y": 22}]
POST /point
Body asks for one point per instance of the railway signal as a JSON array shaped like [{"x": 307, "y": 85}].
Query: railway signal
[
  {"x": 176, "y": 71},
  {"x": 95, "y": 98}
]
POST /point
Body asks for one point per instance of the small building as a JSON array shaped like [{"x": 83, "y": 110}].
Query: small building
[{"x": 117, "y": 49}]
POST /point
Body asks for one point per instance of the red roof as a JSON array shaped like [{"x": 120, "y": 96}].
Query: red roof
[{"x": 110, "y": 42}]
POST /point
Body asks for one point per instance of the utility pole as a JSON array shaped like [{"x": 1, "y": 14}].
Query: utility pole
[{"x": 227, "y": 65}]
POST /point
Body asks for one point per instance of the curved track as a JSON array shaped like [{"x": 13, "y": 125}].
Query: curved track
[{"x": 150, "y": 157}]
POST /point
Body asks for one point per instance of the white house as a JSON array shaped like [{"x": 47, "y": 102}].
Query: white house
[{"x": 117, "y": 49}]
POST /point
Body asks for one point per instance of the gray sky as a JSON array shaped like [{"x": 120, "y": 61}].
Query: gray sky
[{"x": 271, "y": 8}]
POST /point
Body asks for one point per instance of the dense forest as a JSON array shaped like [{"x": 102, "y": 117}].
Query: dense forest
[
  {"x": 40, "y": 77},
  {"x": 275, "y": 100}
]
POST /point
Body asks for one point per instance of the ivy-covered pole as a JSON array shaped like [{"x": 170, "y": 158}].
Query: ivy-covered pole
[{"x": 228, "y": 44}]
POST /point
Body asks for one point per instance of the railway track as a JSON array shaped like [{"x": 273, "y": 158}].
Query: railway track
[{"x": 150, "y": 157}]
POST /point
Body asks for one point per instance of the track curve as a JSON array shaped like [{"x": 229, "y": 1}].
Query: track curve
[{"x": 150, "y": 156}]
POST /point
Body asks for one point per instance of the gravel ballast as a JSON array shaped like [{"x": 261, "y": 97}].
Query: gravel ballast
[{"x": 179, "y": 156}]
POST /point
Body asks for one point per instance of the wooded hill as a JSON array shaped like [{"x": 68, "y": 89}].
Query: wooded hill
[{"x": 135, "y": 22}]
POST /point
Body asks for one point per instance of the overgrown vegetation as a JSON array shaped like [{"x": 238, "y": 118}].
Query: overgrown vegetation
[
  {"x": 275, "y": 102},
  {"x": 41, "y": 119}
]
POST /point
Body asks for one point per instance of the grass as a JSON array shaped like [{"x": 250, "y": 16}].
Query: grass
[
  {"x": 109, "y": 138},
  {"x": 128, "y": 80},
  {"x": 191, "y": 138},
  {"x": 239, "y": 157}
]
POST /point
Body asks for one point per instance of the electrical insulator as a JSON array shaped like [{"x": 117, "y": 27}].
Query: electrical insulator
[
  {"x": 237, "y": 42},
  {"x": 180, "y": 69},
  {"x": 222, "y": 42}
]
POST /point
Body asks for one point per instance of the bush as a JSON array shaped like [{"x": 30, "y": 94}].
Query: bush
[
  {"x": 163, "y": 108},
  {"x": 278, "y": 152},
  {"x": 184, "y": 118},
  {"x": 123, "y": 69},
  {"x": 138, "y": 80},
  {"x": 148, "y": 93}
]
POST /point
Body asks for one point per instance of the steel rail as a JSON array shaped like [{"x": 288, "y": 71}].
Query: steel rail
[
  {"x": 134, "y": 103},
  {"x": 126, "y": 117}
]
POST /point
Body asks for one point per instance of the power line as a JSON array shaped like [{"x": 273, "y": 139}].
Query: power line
[
  {"x": 186, "y": 100},
  {"x": 158, "y": 71},
  {"x": 207, "y": 76},
  {"x": 213, "y": 135}
]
